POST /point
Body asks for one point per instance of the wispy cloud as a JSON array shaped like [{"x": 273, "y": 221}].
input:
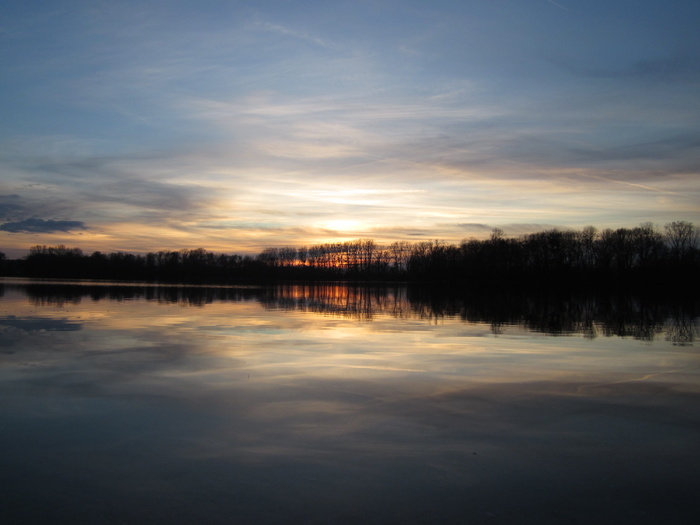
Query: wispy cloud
[
  {"x": 228, "y": 124},
  {"x": 300, "y": 35},
  {"x": 632, "y": 184},
  {"x": 558, "y": 5}
]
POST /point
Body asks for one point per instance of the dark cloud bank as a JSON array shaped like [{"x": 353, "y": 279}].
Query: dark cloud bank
[{"x": 42, "y": 226}]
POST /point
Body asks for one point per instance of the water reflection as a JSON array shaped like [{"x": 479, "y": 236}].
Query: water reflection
[
  {"x": 60, "y": 293},
  {"x": 638, "y": 316},
  {"x": 333, "y": 404}
]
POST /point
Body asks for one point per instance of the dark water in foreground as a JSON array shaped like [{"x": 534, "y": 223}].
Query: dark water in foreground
[{"x": 169, "y": 405}]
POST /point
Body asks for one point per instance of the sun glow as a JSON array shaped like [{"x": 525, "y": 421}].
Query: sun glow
[{"x": 343, "y": 225}]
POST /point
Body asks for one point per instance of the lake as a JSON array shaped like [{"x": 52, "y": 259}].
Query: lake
[{"x": 129, "y": 404}]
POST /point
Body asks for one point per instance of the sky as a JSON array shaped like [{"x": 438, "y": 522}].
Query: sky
[{"x": 233, "y": 125}]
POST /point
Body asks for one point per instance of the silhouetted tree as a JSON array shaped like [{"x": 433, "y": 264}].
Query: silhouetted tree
[
  {"x": 648, "y": 245},
  {"x": 682, "y": 238},
  {"x": 641, "y": 254}
]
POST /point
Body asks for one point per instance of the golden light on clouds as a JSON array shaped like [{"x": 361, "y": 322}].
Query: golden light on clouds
[
  {"x": 344, "y": 226},
  {"x": 236, "y": 129}
]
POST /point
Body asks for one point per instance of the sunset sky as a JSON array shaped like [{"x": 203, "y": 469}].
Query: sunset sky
[{"x": 237, "y": 125}]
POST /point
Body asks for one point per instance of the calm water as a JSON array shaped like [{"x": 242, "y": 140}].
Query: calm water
[{"x": 131, "y": 404}]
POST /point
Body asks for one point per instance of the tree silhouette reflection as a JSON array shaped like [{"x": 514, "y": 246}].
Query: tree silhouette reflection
[{"x": 588, "y": 315}]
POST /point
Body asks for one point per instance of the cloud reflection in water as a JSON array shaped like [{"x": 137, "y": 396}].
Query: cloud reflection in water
[{"x": 264, "y": 409}]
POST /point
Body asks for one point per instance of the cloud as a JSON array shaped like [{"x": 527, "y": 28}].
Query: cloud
[
  {"x": 515, "y": 229},
  {"x": 154, "y": 187},
  {"x": 9, "y": 205},
  {"x": 670, "y": 69},
  {"x": 510, "y": 229},
  {"x": 232, "y": 126},
  {"x": 300, "y": 35},
  {"x": 42, "y": 226},
  {"x": 475, "y": 226},
  {"x": 558, "y": 5},
  {"x": 679, "y": 146}
]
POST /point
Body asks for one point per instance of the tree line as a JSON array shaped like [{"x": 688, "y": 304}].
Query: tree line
[{"x": 644, "y": 253}]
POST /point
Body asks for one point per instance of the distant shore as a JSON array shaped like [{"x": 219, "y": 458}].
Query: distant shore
[{"x": 640, "y": 256}]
